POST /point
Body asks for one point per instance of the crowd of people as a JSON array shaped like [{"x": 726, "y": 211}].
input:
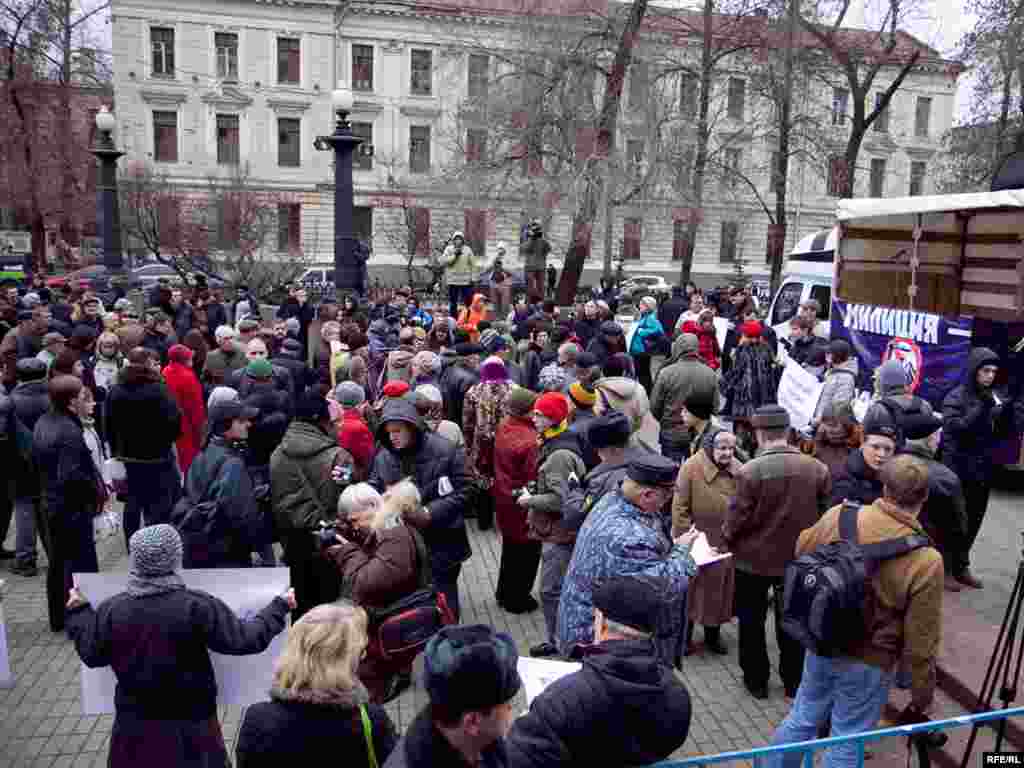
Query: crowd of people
[{"x": 353, "y": 441}]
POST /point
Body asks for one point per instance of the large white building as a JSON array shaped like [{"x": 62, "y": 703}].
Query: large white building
[{"x": 204, "y": 85}]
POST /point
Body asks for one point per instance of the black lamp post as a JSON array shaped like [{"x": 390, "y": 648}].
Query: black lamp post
[
  {"x": 348, "y": 270},
  {"x": 108, "y": 209}
]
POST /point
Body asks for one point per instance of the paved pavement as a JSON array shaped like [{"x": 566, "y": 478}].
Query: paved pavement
[{"x": 41, "y": 724}]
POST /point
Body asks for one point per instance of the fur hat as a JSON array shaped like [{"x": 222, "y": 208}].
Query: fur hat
[{"x": 470, "y": 668}]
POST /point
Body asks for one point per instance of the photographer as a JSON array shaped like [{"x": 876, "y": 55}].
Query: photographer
[
  {"x": 376, "y": 557},
  {"x": 460, "y": 268},
  {"x": 307, "y": 473},
  {"x": 534, "y": 252}
]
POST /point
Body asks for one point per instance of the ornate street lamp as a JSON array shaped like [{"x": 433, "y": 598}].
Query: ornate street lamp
[
  {"x": 107, "y": 207},
  {"x": 348, "y": 268}
]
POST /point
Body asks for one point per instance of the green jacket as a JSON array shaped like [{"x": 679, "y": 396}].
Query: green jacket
[
  {"x": 301, "y": 487},
  {"x": 675, "y": 383}
]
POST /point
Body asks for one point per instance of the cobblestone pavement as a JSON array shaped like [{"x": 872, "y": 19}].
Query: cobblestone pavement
[{"x": 41, "y": 724}]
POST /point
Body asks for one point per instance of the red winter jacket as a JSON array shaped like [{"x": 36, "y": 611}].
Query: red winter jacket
[
  {"x": 515, "y": 464},
  {"x": 188, "y": 394},
  {"x": 355, "y": 437},
  {"x": 707, "y": 349}
]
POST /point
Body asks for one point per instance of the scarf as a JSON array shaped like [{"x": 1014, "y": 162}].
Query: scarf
[{"x": 552, "y": 432}]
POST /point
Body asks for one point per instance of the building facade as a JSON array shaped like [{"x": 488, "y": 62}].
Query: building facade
[{"x": 203, "y": 88}]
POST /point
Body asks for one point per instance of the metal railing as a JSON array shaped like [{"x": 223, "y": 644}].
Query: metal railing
[{"x": 808, "y": 748}]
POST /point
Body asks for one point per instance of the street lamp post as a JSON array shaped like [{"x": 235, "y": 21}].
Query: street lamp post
[
  {"x": 108, "y": 209},
  {"x": 348, "y": 272}
]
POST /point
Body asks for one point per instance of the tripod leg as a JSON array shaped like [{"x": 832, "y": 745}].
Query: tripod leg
[
  {"x": 999, "y": 659},
  {"x": 1008, "y": 693}
]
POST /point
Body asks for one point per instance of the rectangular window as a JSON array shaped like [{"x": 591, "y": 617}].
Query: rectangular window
[
  {"x": 288, "y": 142},
  {"x": 882, "y": 121},
  {"x": 227, "y": 139},
  {"x": 688, "y": 87},
  {"x": 476, "y": 145},
  {"x": 475, "y": 228},
  {"x": 727, "y": 241},
  {"x": 361, "y": 161},
  {"x": 840, "y": 104},
  {"x": 421, "y": 231},
  {"x": 731, "y": 167},
  {"x": 289, "y": 61},
  {"x": 923, "y": 117},
  {"x": 479, "y": 76},
  {"x": 680, "y": 239},
  {"x": 362, "y": 67},
  {"x": 877, "y": 177},
  {"x": 918, "y": 169},
  {"x": 165, "y": 137},
  {"x": 737, "y": 97},
  {"x": 419, "y": 148},
  {"x": 638, "y": 85},
  {"x": 421, "y": 73},
  {"x": 226, "y": 44},
  {"x": 631, "y": 231},
  {"x": 836, "y": 175},
  {"x": 289, "y": 226},
  {"x": 162, "y": 40}
]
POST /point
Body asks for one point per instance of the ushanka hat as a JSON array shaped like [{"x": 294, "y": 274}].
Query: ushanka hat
[{"x": 470, "y": 668}]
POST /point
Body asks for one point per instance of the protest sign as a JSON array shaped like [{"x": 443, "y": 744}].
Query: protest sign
[
  {"x": 932, "y": 348},
  {"x": 538, "y": 674},
  {"x": 798, "y": 394},
  {"x": 240, "y": 680},
  {"x": 721, "y": 330}
]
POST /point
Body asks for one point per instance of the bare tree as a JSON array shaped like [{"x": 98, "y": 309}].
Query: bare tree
[
  {"x": 227, "y": 229},
  {"x": 861, "y": 55}
]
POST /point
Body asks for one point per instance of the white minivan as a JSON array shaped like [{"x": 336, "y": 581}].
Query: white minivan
[{"x": 808, "y": 274}]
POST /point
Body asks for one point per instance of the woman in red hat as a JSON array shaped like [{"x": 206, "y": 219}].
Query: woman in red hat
[{"x": 751, "y": 382}]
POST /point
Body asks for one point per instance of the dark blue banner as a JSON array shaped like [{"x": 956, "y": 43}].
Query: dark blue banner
[{"x": 932, "y": 348}]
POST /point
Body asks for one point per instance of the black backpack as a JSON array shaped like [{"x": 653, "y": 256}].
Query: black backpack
[
  {"x": 206, "y": 533},
  {"x": 827, "y": 591}
]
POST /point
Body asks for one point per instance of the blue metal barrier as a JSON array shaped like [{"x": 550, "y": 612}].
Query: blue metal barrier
[{"x": 808, "y": 748}]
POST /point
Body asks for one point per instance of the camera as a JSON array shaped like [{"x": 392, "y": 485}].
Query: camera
[
  {"x": 342, "y": 474},
  {"x": 530, "y": 488},
  {"x": 326, "y": 535}
]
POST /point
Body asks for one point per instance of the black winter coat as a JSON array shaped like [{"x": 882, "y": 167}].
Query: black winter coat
[
  {"x": 302, "y": 375},
  {"x": 972, "y": 422},
  {"x": 857, "y": 482},
  {"x": 456, "y": 381},
  {"x": 625, "y": 705},
  {"x": 302, "y": 728},
  {"x": 428, "y": 462},
  {"x": 159, "y": 648},
  {"x": 142, "y": 419},
  {"x": 31, "y": 401},
  {"x": 216, "y": 316},
  {"x": 219, "y": 474},
  {"x": 669, "y": 312},
  {"x": 70, "y": 481},
  {"x": 944, "y": 515},
  {"x": 245, "y": 385},
  {"x": 159, "y": 344}
]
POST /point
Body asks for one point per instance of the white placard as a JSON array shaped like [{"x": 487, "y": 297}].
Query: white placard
[
  {"x": 799, "y": 391},
  {"x": 703, "y": 553},
  {"x": 721, "y": 330},
  {"x": 538, "y": 674},
  {"x": 240, "y": 680}
]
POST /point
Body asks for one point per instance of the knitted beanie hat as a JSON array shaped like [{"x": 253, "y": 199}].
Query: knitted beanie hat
[
  {"x": 349, "y": 394},
  {"x": 520, "y": 401},
  {"x": 156, "y": 550},
  {"x": 493, "y": 370},
  {"x": 259, "y": 368},
  {"x": 552, "y": 405}
]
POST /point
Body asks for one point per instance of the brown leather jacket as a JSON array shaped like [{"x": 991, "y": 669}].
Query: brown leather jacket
[{"x": 778, "y": 494}]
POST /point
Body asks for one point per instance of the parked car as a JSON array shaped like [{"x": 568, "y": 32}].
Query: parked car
[
  {"x": 638, "y": 286},
  {"x": 147, "y": 276}
]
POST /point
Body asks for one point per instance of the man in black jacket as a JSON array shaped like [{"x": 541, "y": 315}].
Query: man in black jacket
[
  {"x": 30, "y": 399},
  {"x": 669, "y": 312},
  {"x": 458, "y": 377},
  {"x": 944, "y": 515},
  {"x": 290, "y": 358},
  {"x": 859, "y": 481},
  {"x": 975, "y": 417},
  {"x": 438, "y": 468},
  {"x": 143, "y": 421},
  {"x": 625, "y": 704}
]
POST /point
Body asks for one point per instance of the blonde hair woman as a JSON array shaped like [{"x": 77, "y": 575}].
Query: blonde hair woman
[
  {"x": 379, "y": 560},
  {"x": 317, "y": 704}
]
